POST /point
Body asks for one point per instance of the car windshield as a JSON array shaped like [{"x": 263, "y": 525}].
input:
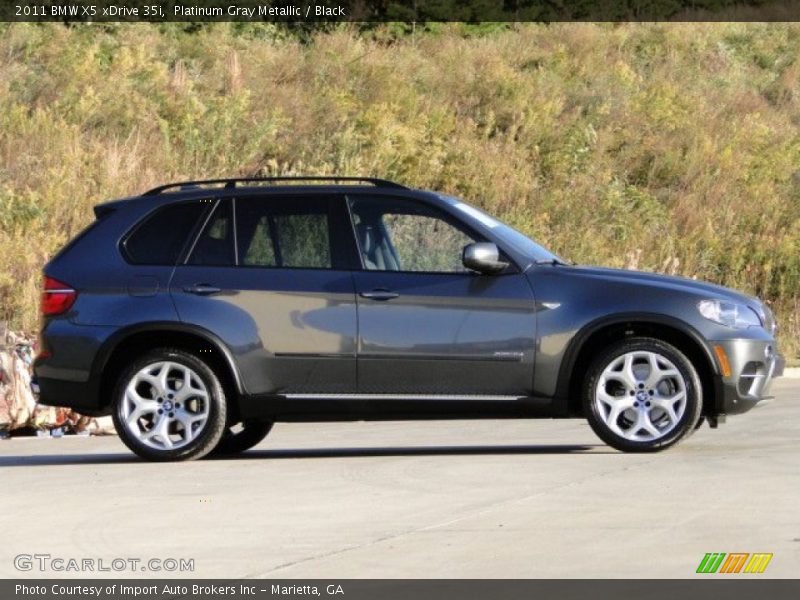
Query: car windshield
[{"x": 508, "y": 235}]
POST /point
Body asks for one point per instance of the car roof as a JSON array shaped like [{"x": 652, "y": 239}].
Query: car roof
[
  {"x": 170, "y": 193},
  {"x": 238, "y": 182}
]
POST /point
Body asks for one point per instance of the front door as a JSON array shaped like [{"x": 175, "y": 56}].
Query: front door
[
  {"x": 268, "y": 276},
  {"x": 427, "y": 326}
]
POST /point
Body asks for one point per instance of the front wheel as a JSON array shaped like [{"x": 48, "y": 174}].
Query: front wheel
[
  {"x": 642, "y": 395},
  {"x": 169, "y": 405}
]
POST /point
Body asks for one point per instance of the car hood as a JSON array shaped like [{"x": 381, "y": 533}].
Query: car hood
[{"x": 709, "y": 290}]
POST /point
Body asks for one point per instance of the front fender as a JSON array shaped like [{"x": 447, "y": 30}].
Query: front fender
[{"x": 578, "y": 341}]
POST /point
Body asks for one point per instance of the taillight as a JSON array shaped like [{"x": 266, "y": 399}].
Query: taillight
[{"x": 57, "y": 297}]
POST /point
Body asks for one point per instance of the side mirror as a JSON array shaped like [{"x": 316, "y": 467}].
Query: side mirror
[{"x": 483, "y": 257}]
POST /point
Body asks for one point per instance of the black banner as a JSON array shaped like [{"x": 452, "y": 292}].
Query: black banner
[
  {"x": 300, "y": 11},
  {"x": 393, "y": 589}
]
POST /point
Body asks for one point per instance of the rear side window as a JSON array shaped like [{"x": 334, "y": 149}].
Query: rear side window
[
  {"x": 214, "y": 247},
  {"x": 161, "y": 237},
  {"x": 287, "y": 233}
]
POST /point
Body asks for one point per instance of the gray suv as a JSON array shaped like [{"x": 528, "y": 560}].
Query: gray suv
[{"x": 198, "y": 314}]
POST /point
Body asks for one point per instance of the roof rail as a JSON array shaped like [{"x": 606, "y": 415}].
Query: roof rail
[{"x": 232, "y": 183}]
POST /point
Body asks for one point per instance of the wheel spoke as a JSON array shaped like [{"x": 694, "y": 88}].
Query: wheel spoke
[
  {"x": 614, "y": 406},
  {"x": 160, "y": 430},
  {"x": 163, "y": 378},
  {"x": 667, "y": 404},
  {"x": 613, "y": 400},
  {"x": 628, "y": 375},
  {"x": 612, "y": 419},
  {"x": 648, "y": 425},
  {"x": 657, "y": 373},
  {"x": 670, "y": 399},
  {"x": 642, "y": 422},
  {"x": 187, "y": 391},
  {"x": 654, "y": 376},
  {"x": 137, "y": 406},
  {"x": 139, "y": 402},
  {"x": 151, "y": 380},
  {"x": 187, "y": 379},
  {"x": 186, "y": 420},
  {"x": 140, "y": 412}
]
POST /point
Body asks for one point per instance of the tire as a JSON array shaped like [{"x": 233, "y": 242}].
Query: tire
[
  {"x": 237, "y": 441},
  {"x": 160, "y": 419},
  {"x": 642, "y": 395}
]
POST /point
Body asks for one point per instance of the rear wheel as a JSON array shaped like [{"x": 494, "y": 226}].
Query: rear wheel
[
  {"x": 242, "y": 436},
  {"x": 169, "y": 405},
  {"x": 642, "y": 395}
]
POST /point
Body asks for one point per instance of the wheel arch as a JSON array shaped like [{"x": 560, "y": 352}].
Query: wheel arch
[
  {"x": 118, "y": 350},
  {"x": 607, "y": 330}
]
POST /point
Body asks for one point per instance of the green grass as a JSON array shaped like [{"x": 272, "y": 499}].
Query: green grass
[{"x": 670, "y": 147}]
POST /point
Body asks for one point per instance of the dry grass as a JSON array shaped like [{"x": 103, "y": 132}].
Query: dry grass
[{"x": 675, "y": 145}]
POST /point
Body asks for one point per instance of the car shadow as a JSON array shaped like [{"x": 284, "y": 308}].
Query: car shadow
[
  {"x": 410, "y": 451},
  {"x": 50, "y": 460},
  {"x": 45, "y": 460}
]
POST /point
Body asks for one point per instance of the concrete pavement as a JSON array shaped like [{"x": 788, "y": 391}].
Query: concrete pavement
[{"x": 417, "y": 499}]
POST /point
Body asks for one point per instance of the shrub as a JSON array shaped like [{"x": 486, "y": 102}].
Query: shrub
[{"x": 666, "y": 146}]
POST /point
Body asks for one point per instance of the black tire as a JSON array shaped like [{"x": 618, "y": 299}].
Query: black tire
[
  {"x": 237, "y": 441},
  {"x": 686, "y": 423},
  {"x": 205, "y": 437}
]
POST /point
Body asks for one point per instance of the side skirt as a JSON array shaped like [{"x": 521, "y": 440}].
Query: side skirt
[{"x": 385, "y": 407}]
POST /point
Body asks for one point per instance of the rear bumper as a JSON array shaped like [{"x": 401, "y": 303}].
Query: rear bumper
[
  {"x": 79, "y": 396},
  {"x": 753, "y": 364},
  {"x": 64, "y": 375}
]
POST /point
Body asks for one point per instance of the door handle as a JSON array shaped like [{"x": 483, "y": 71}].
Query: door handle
[
  {"x": 379, "y": 294},
  {"x": 202, "y": 289}
]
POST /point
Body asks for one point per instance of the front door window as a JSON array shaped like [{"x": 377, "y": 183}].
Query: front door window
[{"x": 398, "y": 235}]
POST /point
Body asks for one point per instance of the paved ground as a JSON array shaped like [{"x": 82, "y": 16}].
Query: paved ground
[{"x": 428, "y": 499}]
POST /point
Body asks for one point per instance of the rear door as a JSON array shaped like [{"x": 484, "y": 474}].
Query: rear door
[
  {"x": 268, "y": 275},
  {"x": 428, "y": 326}
]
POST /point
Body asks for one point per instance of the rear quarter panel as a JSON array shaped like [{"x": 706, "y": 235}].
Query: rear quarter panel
[{"x": 112, "y": 292}]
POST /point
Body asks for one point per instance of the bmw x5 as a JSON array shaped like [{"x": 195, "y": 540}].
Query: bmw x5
[{"x": 199, "y": 314}]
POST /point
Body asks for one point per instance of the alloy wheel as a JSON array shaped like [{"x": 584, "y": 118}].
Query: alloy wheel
[
  {"x": 166, "y": 405},
  {"x": 641, "y": 396}
]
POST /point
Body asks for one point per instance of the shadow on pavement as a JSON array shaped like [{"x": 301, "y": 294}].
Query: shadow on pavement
[
  {"x": 48, "y": 460},
  {"x": 411, "y": 451},
  {"x": 45, "y": 460}
]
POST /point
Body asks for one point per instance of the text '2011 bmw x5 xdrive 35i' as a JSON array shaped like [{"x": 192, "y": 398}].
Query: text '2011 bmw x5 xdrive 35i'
[{"x": 199, "y": 314}]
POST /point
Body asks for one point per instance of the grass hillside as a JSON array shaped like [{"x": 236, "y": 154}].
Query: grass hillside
[{"x": 663, "y": 147}]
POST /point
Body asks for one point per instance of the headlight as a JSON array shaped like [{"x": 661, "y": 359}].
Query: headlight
[
  {"x": 770, "y": 324},
  {"x": 729, "y": 314}
]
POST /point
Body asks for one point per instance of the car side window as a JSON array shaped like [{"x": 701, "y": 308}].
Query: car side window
[
  {"x": 402, "y": 235},
  {"x": 260, "y": 252},
  {"x": 161, "y": 237},
  {"x": 287, "y": 233},
  {"x": 214, "y": 247}
]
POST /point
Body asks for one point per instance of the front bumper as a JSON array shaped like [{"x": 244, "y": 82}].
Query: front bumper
[{"x": 752, "y": 364}]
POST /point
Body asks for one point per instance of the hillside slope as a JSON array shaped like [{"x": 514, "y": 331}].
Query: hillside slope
[{"x": 667, "y": 147}]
